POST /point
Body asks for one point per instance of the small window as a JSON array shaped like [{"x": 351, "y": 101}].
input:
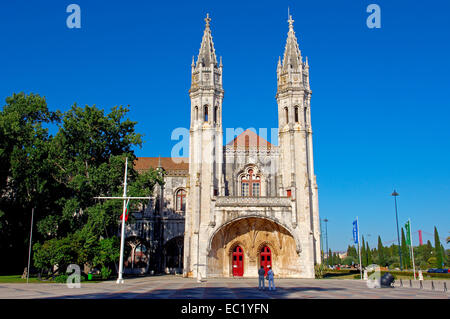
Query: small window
[
  {"x": 286, "y": 114},
  {"x": 262, "y": 258},
  {"x": 296, "y": 114},
  {"x": 244, "y": 189},
  {"x": 289, "y": 193},
  {"x": 206, "y": 113},
  {"x": 255, "y": 189},
  {"x": 268, "y": 258},
  {"x": 215, "y": 114},
  {"x": 234, "y": 257},
  {"x": 240, "y": 258}
]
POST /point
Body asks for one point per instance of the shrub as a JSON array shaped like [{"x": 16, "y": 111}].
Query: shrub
[
  {"x": 106, "y": 272},
  {"x": 319, "y": 270},
  {"x": 61, "y": 279}
]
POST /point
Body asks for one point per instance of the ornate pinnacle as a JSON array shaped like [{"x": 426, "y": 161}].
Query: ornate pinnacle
[
  {"x": 291, "y": 22},
  {"x": 207, "y": 20}
]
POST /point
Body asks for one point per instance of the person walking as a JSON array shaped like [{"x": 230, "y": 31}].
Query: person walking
[
  {"x": 270, "y": 275},
  {"x": 261, "y": 273}
]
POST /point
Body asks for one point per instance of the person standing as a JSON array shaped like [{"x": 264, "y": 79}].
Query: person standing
[
  {"x": 261, "y": 273},
  {"x": 270, "y": 274}
]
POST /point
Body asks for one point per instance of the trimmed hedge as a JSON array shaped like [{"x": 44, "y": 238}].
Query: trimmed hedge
[
  {"x": 411, "y": 274},
  {"x": 394, "y": 273}
]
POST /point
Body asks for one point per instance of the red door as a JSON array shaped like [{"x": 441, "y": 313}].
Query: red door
[
  {"x": 238, "y": 261},
  {"x": 266, "y": 258}
]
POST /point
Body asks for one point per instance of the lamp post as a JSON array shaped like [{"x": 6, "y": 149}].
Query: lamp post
[
  {"x": 321, "y": 241},
  {"x": 395, "y": 194},
  {"x": 326, "y": 236}
]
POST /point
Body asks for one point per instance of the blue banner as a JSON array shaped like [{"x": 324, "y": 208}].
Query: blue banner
[{"x": 355, "y": 231}]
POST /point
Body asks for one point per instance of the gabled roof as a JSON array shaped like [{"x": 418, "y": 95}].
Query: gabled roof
[
  {"x": 167, "y": 163},
  {"x": 249, "y": 139}
]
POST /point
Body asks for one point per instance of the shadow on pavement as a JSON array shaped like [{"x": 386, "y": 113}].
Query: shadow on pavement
[{"x": 204, "y": 293}]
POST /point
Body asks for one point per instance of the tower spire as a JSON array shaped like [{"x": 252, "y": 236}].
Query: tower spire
[
  {"x": 292, "y": 56},
  {"x": 207, "y": 54}
]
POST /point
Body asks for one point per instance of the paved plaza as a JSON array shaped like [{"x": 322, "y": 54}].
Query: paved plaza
[{"x": 171, "y": 287}]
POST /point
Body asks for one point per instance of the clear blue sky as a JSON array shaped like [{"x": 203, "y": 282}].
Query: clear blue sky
[{"x": 380, "y": 103}]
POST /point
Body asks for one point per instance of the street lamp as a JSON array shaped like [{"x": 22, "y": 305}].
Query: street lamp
[
  {"x": 321, "y": 241},
  {"x": 395, "y": 194},
  {"x": 326, "y": 236}
]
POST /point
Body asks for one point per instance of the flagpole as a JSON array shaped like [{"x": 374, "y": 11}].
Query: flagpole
[
  {"x": 359, "y": 247},
  {"x": 412, "y": 248},
  {"x": 122, "y": 237}
]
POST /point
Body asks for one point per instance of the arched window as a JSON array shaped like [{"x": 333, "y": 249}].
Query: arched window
[
  {"x": 215, "y": 114},
  {"x": 196, "y": 113},
  {"x": 206, "y": 113},
  {"x": 286, "y": 114},
  {"x": 296, "y": 114},
  {"x": 251, "y": 184},
  {"x": 180, "y": 201}
]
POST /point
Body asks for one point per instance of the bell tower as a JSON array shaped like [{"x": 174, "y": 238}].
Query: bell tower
[
  {"x": 206, "y": 179},
  {"x": 296, "y": 171}
]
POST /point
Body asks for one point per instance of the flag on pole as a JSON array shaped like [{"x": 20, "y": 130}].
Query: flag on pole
[
  {"x": 126, "y": 212},
  {"x": 355, "y": 231},
  {"x": 408, "y": 233}
]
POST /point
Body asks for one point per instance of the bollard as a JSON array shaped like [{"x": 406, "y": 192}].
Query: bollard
[
  {"x": 432, "y": 285},
  {"x": 410, "y": 283},
  {"x": 445, "y": 286},
  {"x": 401, "y": 283},
  {"x": 421, "y": 284}
]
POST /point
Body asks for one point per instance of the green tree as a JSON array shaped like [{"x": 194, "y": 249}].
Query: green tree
[
  {"x": 349, "y": 260},
  {"x": 438, "y": 250},
  {"x": 368, "y": 254},
  {"x": 381, "y": 260},
  {"x": 24, "y": 172},
  {"x": 405, "y": 252},
  {"x": 60, "y": 176},
  {"x": 363, "y": 253},
  {"x": 352, "y": 252},
  {"x": 89, "y": 153}
]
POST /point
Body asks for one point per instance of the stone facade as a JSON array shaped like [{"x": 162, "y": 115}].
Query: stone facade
[{"x": 248, "y": 203}]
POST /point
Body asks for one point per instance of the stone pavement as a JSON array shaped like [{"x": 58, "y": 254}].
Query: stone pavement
[{"x": 172, "y": 287}]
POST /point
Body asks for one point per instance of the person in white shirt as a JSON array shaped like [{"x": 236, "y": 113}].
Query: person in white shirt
[{"x": 271, "y": 282}]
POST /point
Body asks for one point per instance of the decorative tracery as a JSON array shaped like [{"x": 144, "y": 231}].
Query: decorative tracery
[{"x": 250, "y": 184}]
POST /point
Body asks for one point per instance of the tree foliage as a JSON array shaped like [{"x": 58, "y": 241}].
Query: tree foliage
[{"x": 60, "y": 176}]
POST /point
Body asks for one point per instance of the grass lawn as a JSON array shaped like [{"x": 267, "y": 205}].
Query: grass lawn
[{"x": 33, "y": 279}]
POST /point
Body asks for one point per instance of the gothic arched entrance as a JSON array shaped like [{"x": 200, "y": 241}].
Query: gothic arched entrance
[
  {"x": 255, "y": 238},
  {"x": 238, "y": 261},
  {"x": 173, "y": 255},
  {"x": 136, "y": 255},
  {"x": 266, "y": 258}
]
